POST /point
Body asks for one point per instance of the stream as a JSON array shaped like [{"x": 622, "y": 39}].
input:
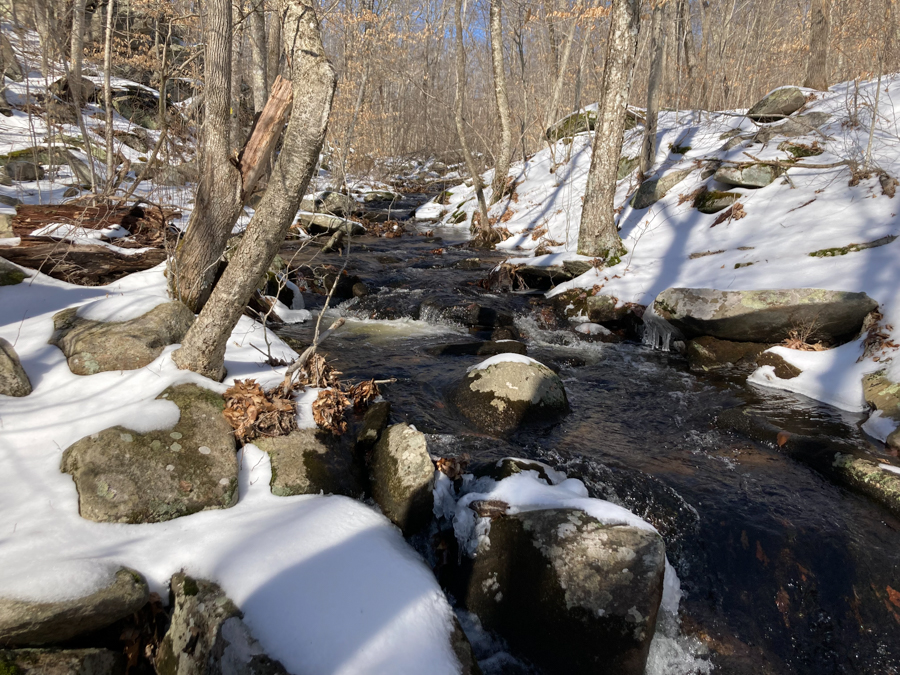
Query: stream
[{"x": 782, "y": 569}]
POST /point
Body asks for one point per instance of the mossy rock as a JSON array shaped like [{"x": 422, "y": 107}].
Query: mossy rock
[
  {"x": 124, "y": 476},
  {"x": 89, "y": 661},
  {"x": 708, "y": 353},
  {"x": 871, "y": 479},
  {"x": 800, "y": 150},
  {"x": 852, "y": 248},
  {"x": 13, "y": 378},
  {"x": 882, "y": 394},
  {"x": 626, "y": 166},
  {"x": 402, "y": 477},
  {"x": 777, "y": 105},
  {"x": 713, "y": 201},
  {"x": 752, "y": 176},
  {"x": 11, "y": 275}
]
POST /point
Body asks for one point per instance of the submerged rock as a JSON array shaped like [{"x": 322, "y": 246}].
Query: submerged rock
[
  {"x": 35, "y": 623},
  {"x": 651, "y": 191},
  {"x": 768, "y": 316},
  {"x": 402, "y": 476},
  {"x": 208, "y": 635},
  {"x": 96, "y": 346},
  {"x": 571, "y": 593},
  {"x": 503, "y": 394},
  {"x": 310, "y": 462},
  {"x": 126, "y": 477},
  {"x": 709, "y": 353},
  {"x": 487, "y": 348},
  {"x": 322, "y": 223},
  {"x": 777, "y": 105},
  {"x": 13, "y": 378},
  {"x": 62, "y": 662},
  {"x": 872, "y": 479}
]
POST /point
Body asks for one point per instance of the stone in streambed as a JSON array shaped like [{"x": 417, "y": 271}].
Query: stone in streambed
[
  {"x": 872, "y": 479},
  {"x": 126, "y": 477},
  {"x": 375, "y": 421},
  {"x": 402, "y": 477},
  {"x": 484, "y": 348},
  {"x": 36, "y": 622},
  {"x": 709, "y": 353},
  {"x": 96, "y": 346}
]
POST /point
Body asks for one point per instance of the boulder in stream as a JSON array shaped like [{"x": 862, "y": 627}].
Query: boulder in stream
[
  {"x": 767, "y": 316},
  {"x": 571, "y": 593},
  {"x": 402, "y": 476},
  {"x": 708, "y": 353},
  {"x": 31, "y": 623},
  {"x": 509, "y": 390}
]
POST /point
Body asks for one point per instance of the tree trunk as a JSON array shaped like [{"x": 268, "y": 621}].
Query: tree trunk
[
  {"x": 273, "y": 65},
  {"x": 107, "y": 97},
  {"x": 258, "y": 79},
  {"x": 237, "y": 47},
  {"x": 74, "y": 77},
  {"x": 504, "y": 152},
  {"x": 817, "y": 65},
  {"x": 313, "y": 80},
  {"x": 654, "y": 85},
  {"x": 193, "y": 269},
  {"x": 598, "y": 236},
  {"x": 485, "y": 234}
]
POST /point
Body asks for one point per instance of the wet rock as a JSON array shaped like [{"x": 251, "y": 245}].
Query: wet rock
[
  {"x": 322, "y": 223},
  {"x": 708, "y": 353},
  {"x": 96, "y": 346},
  {"x": 834, "y": 317},
  {"x": 310, "y": 462},
  {"x": 485, "y": 348},
  {"x": 713, "y": 201},
  {"x": 35, "y": 623},
  {"x": 472, "y": 314},
  {"x": 651, "y": 191},
  {"x": 10, "y": 274},
  {"x": 402, "y": 477},
  {"x": 374, "y": 423},
  {"x": 777, "y": 105},
  {"x": 9, "y": 64},
  {"x": 126, "y": 477},
  {"x": 605, "y": 309},
  {"x": 543, "y": 278},
  {"x": 506, "y": 394},
  {"x": 13, "y": 378},
  {"x": 461, "y": 646},
  {"x": 66, "y": 662},
  {"x": 882, "y": 394},
  {"x": 208, "y": 635},
  {"x": 510, "y": 466},
  {"x": 506, "y": 333},
  {"x": 783, "y": 369},
  {"x": 381, "y": 196},
  {"x": 22, "y": 170},
  {"x": 569, "y": 592},
  {"x": 872, "y": 479},
  {"x": 752, "y": 176}
]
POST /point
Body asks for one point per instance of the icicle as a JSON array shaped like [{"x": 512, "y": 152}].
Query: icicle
[{"x": 658, "y": 333}]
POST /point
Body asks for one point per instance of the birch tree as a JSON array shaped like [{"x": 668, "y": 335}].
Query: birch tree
[
  {"x": 598, "y": 236},
  {"x": 313, "y": 83}
]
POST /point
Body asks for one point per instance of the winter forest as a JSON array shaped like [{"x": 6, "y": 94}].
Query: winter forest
[{"x": 454, "y": 337}]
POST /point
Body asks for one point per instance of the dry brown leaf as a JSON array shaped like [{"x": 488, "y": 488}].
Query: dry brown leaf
[
  {"x": 328, "y": 411},
  {"x": 363, "y": 393},
  {"x": 253, "y": 412}
]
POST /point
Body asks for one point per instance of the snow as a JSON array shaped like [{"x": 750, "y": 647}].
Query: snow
[
  {"x": 592, "y": 329},
  {"x": 888, "y": 467},
  {"x": 326, "y": 584},
  {"x": 880, "y": 427},
  {"x": 503, "y": 358}
]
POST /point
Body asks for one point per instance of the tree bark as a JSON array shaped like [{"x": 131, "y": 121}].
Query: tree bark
[
  {"x": 193, "y": 269},
  {"x": 598, "y": 236},
  {"x": 237, "y": 47},
  {"x": 107, "y": 97},
  {"x": 504, "y": 152},
  {"x": 313, "y": 81},
  {"x": 654, "y": 86},
  {"x": 273, "y": 58},
  {"x": 485, "y": 233},
  {"x": 820, "y": 27},
  {"x": 258, "y": 55}
]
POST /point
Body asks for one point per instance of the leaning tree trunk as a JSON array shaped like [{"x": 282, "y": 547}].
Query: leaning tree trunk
[
  {"x": 598, "y": 236},
  {"x": 203, "y": 348},
  {"x": 654, "y": 85},
  {"x": 193, "y": 269},
  {"x": 817, "y": 65},
  {"x": 504, "y": 152},
  {"x": 258, "y": 55},
  {"x": 485, "y": 235}
]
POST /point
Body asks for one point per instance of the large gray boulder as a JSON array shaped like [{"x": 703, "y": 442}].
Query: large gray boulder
[
  {"x": 571, "y": 593},
  {"x": 751, "y": 176},
  {"x": 651, "y": 191},
  {"x": 402, "y": 477},
  {"x": 766, "y": 316},
  {"x": 96, "y": 346},
  {"x": 62, "y": 662},
  {"x": 777, "y": 105},
  {"x": 126, "y": 477},
  {"x": 312, "y": 461},
  {"x": 25, "y": 623},
  {"x": 506, "y": 394},
  {"x": 13, "y": 378},
  {"x": 207, "y": 635}
]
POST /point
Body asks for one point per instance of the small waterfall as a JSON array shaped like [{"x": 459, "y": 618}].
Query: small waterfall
[{"x": 658, "y": 333}]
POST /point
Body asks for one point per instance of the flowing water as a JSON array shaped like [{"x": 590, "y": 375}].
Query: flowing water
[{"x": 783, "y": 570}]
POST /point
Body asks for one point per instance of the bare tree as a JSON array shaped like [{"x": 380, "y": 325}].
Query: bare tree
[
  {"x": 273, "y": 58},
  {"x": 654, "y": 86},
  {"x": 817, "y": 63},
  {"x": 504, "y": 152},
  {"x": 258, "y": 56},
  {"x": 598, "y": 236},
  {"x": 313, "y": 82},
  {"x": 193, "y": 269}
]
